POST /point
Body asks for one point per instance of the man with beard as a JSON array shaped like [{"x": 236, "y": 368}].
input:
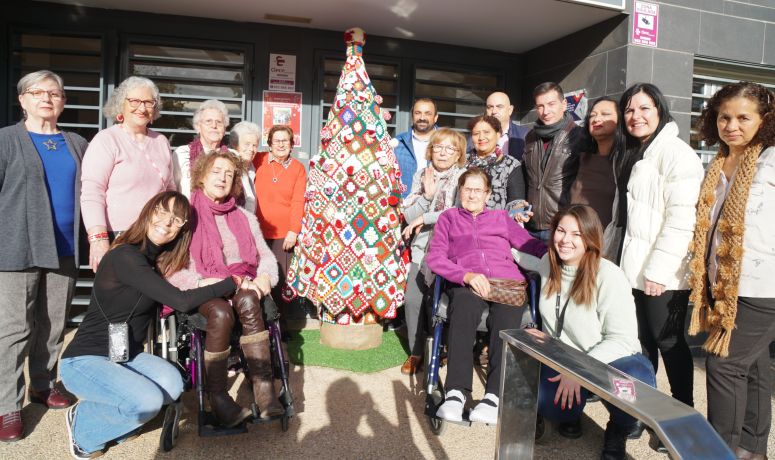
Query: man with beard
[
  {"x": 551, "y": 158},
  {"x": 512, "y": 140},
  {"x": 410, "y": 146}
]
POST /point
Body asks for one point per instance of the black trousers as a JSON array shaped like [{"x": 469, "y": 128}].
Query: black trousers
[
  {"x": 661, "y": 329},
  {"x": 465, "y": 312},
  {"x": 740, "y": 385}
]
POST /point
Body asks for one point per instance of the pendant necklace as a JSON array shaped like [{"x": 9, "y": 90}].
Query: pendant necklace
[{"x": 276, "y": 177}]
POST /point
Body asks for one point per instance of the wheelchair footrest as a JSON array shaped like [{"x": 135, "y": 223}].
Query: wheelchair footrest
[{"x": 209, "y": 428}]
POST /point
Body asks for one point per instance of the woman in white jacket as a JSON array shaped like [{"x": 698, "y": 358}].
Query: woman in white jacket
[{"x": 658, "y": 180}]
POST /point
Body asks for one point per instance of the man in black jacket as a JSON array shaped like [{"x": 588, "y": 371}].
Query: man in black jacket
[{"x": 551, "y": 158}]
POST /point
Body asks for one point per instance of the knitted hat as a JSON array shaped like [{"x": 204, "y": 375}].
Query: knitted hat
[{"x": 348, "y": 260}]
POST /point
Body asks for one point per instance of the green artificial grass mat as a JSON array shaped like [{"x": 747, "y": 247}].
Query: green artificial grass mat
[{"x": 305, "y": 349}]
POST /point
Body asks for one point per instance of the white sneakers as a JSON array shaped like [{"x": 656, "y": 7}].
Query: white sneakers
[
  {"x": 486, "y": 411},
  {"x": 452, "y": 409}
]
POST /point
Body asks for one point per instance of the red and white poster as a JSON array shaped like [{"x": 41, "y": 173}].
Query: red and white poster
[
  {"x": 281, "y": 109},
  {"x": 645, "y": 24}
]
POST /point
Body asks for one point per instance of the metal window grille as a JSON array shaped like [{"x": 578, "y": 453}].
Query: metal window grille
[
  {"x": 459, "y": 95},
  {"x": 78, "y": 60},
  {"x": 188, "y": 76}
]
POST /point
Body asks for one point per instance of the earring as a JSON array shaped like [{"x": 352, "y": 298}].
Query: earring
[{"x": 120, "y": 118}]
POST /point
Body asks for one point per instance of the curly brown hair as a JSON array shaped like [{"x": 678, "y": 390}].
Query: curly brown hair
[
  {"x": 205, "y": 162},
  {"x": 765, "y": 100}
]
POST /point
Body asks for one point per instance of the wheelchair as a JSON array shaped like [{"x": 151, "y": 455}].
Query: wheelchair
[
  {"x": 179, "y": 338},
  {"x": 434, "y": 389}
]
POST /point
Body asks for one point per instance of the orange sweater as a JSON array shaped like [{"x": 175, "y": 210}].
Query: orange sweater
[{"x": 280, "y": 205}]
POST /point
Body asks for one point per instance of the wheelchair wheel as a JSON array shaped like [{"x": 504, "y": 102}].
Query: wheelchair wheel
[
  {"x": 434, "y": 400},
  {"x": 169, "y": 430}
]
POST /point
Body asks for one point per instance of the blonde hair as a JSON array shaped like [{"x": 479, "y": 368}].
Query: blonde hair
[{"x": 457, "y": 140}]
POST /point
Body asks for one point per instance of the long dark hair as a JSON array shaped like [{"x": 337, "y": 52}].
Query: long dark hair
[
  {"x": 589, "y": 142},
  {"x": 584, "y": 286},
  {"x": 765, "y": 101},
  {"x": 633, "y": 147},
  {"x": 175, "y": 256}
]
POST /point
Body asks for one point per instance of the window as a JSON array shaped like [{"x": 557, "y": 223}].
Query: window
[
  {"x": 459, "y": 96},
  {"x": 78, "y": 60},
  {"x": 711, "y": 76},
  {"x": 186, "y": 77},
  {"x": 384, "y": 78}
]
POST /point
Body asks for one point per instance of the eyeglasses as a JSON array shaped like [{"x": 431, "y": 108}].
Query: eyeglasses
[
  {"x": 135, "y": 103},
  {"x": 166, "y": 216},
  {"x": 473, "y": 191},
  {"x": 281, "y": 141},
  {"x": 39, "y": 94},
  {"x": 448, "y": 149}
]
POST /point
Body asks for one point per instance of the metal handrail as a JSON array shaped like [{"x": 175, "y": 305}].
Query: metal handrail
[{"x": 684, "y": 431}]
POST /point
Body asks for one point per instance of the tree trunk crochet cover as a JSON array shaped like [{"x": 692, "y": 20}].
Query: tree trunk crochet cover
[{"x": 348, "y": 261}]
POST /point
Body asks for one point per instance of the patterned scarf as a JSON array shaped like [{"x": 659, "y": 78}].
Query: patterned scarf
[
  {"x": 207, "y": 244},
  {"x": 499, "y": 168},
  {"x": 446, "y": 189},
  {"x": 719, "y": 318}
]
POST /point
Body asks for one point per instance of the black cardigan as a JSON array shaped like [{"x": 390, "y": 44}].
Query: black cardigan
[{"x": 125, "y": 274}]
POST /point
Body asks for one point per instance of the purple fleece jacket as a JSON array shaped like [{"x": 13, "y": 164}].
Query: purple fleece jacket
[{"x": 463, "y": 243}]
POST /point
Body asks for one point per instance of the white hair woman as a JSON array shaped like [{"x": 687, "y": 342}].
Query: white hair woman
[
  {"x": 124, "y": 166},
  {"x": 243, "y": 141},
  {"x": 40, "y": 167},
  {"x": 210, "y": 122}
]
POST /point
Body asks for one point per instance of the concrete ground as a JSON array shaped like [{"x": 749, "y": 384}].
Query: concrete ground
[{"x": 341, "y": 415}]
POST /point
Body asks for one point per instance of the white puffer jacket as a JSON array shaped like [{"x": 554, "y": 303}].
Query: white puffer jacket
[{"x": 661, "y": 199}]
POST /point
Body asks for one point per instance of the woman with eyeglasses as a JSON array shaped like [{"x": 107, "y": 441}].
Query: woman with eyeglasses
[
  {"x": 471, "y": 245},
  {"x": 434, "y": 189},
  {"x": 505, "y": 171},
  {"x": 124, "y": 166},
  {"x": 40, "y": 167},
  {"x": 227, "y": 242},
  {"x": 210, "y": 121},
  {"x": 281, "y": 182},
  {"x": 119, "y": 386}
]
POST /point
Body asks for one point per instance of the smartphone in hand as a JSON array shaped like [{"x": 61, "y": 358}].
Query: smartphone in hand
[{"x": 520, "y": 210}]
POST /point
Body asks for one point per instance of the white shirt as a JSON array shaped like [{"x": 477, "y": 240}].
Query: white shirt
[{"x": 420, "y": 147}]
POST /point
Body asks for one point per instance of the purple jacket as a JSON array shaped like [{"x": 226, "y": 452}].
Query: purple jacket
[{"x": 463, "y": 243}]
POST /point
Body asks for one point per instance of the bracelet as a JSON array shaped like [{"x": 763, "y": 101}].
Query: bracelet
[{"x": 98, "y": 237}]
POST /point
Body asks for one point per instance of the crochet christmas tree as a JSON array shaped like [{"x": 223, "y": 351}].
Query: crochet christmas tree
[{"x": 348, "y": 260}]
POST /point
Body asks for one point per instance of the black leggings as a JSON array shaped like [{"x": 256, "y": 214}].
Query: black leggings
[{"x": 661, "y": 322}]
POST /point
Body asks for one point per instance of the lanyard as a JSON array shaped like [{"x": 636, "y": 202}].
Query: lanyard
[{"x": 560, "y": 316}]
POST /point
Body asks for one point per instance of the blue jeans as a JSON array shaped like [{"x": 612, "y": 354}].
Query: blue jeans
[
  {"x": 116, "y": 399},
  {"x": 636, "y": 365}
]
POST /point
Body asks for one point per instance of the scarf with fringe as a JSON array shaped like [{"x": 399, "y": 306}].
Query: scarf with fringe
[{"x": 718, "y": 318}]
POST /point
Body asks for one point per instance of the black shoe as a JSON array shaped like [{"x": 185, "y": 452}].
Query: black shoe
[
  {"x": 571, "y": 430},
  {"x": 540, "y": 427},
  {"x": 614, "y": 442},
  {"x": 661, "y": 447},
  {"x": 636, "y": 431},
  {"x": 592, "y": 398}
]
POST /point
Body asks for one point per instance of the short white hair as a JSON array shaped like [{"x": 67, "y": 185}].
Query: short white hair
[
  {"x": 31, "y": 79},
  {"x": 214, "y": 104},
  {"x": 115, "y": 104},
  {"x": 241, "y": 129}
]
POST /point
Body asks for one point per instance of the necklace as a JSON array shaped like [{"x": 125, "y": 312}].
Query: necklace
[{"x": 275, "y": 176}]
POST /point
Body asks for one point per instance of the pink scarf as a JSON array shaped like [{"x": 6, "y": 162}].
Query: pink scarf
[
  {"x": 195, "y": 149},
  {"x": 207, "y": 244}
]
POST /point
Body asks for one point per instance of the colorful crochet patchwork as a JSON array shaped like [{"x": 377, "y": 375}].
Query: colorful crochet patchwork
[{"x": 349, "y": 259}]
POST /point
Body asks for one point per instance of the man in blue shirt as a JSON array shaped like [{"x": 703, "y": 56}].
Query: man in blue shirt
[{"x": 411, "y": 145}]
